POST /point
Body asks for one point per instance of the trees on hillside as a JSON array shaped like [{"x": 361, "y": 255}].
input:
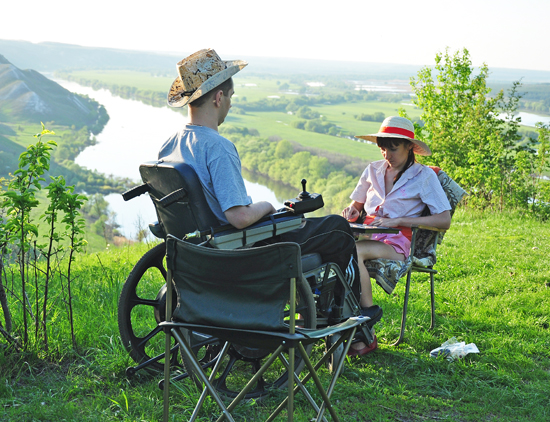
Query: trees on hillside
[{"x": 475, "y": 137}]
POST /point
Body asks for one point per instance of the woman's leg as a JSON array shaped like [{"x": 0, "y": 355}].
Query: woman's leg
[{"x": 371, "y": 249}]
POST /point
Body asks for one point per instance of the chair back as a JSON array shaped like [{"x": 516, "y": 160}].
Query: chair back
[
  {"x": 242, "y": 288},
  {"x": 179, "y": 198},
  {"x": 425, "y": 239}
]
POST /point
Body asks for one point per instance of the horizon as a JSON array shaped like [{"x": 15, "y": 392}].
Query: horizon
[
  {"x": 498, "y": 33},
  {"x": 178, "y": 56}
]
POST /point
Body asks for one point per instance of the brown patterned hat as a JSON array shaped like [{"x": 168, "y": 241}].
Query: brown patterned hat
[{"x": 200, "y": 73}]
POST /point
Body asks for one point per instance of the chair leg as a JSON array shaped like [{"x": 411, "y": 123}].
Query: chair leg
[
  {"x": 300, "y": 384},
  {"x": 202, "y": 376},
  {"x": 404, "y": 315},
  {"x": 432, "y": 293},
  {"x": 290, "y": 411},
  {"x": 166, "y": 387},
  {"x": 253, "y": 380}
]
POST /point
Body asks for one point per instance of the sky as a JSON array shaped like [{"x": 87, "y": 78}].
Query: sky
[{"x": 500, "y": 33}]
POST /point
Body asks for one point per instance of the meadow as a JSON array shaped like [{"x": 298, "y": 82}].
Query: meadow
[
  {"x": 253, "y": 87},
  {"x": 276, "y": 125},
  {"x": 493, "y": 289}
]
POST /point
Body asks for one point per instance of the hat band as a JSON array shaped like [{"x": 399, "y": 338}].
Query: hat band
[{"x": 397, "y": 131}]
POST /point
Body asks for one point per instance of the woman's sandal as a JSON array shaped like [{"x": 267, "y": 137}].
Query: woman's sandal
[{"x": 365, "y": 350}]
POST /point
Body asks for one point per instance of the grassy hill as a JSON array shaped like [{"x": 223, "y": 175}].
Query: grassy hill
[
  {"x": 28, "y": 96},
  {"x": 493, "y": 289}
]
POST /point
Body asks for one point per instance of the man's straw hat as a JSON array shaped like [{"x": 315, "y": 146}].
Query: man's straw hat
[
  {"x": 399, "y": 127},
  {"x": 200, "y": 73}
]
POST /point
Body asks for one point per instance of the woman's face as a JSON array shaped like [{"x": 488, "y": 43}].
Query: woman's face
[{"x": 396, "y": 154}]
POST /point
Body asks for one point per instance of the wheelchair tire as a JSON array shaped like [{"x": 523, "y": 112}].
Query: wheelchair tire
[
  {"x": 141, "y": 307},
  {"x": 242, "y": 359}
]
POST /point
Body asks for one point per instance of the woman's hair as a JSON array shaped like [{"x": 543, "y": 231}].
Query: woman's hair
[{"x": 393, "y": 143}]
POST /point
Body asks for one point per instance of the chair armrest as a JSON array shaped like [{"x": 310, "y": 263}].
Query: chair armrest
[
  {"x": 431, "y": 228},
  {"x": 229, "y": 237}
]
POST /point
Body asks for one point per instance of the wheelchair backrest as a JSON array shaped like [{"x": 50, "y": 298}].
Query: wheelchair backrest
[{"x": 178, "y": 197}]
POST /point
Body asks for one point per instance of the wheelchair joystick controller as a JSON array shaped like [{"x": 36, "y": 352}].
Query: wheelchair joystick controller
[
  {"x": 305, "y": 201},
  {"x": 304, "y": 194}
]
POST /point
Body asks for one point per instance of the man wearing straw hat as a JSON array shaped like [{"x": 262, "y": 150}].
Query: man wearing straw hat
[{"x": 205, "y": 85}]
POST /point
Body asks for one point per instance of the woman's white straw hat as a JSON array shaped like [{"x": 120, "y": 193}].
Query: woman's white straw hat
[
  {"x": 399, "y": 127},
  {"x": 200, "y": 73}
]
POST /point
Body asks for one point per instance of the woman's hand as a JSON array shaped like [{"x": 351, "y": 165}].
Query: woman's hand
[{"x": 350, "y": 213}]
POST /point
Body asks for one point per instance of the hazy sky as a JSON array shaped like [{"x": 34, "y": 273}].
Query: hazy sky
[{"x": 501, "y": 33}]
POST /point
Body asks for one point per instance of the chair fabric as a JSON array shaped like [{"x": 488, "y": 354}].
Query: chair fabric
[
  {"x": 387, "y": 272},
  {"x": 249, "y": 283},
  {"x": 239, "y": 296}
]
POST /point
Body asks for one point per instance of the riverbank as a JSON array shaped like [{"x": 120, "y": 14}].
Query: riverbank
[
  {"x": 493, "y": 289},
  {"x": 134, "y": 135}
]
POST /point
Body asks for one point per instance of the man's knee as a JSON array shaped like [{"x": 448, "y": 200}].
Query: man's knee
[{"x": 336, "y": 222}]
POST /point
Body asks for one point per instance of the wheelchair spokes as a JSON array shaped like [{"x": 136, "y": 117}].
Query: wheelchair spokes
[{"x": 142, "y": 307}]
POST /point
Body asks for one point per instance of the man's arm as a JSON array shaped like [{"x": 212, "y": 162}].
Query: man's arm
[{"x": 244, "y": 215}]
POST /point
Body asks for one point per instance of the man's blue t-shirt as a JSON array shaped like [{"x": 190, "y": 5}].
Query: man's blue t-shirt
[{"x": 216, "y": 162}]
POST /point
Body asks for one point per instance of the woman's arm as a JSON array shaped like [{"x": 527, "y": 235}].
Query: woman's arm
[
  {"x": 441, "y": 221},
  {"x": 352, "y": 212}
]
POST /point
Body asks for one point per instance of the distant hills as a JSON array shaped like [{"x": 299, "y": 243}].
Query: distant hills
[
  {"x": 28, "y": 96},
  {"x": 49, "y": 57}
]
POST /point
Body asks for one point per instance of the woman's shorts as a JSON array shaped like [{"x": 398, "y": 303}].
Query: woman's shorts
[{"x": 397, "y": 241}]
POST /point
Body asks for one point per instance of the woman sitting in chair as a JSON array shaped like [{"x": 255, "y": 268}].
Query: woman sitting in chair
[{"x": 393, "y": 192}]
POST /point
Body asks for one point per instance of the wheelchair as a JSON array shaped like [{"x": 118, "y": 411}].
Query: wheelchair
[{"x": 326, "y": 298}]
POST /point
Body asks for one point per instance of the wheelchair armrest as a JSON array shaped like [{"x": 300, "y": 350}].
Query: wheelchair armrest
[
  {"x": 229, "y": 237},
  {"x": 136, "y": 191}
]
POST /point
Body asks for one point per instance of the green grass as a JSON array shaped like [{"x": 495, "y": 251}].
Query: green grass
[{"x": 493, "y": 289}]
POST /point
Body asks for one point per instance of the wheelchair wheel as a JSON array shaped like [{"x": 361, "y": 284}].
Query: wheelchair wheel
[
  {"x": 243, "y": 361},
  {"x": 141, "y": 307}
]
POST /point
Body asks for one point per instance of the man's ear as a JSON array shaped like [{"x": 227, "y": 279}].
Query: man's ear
[{"x": 218, "y": 97}]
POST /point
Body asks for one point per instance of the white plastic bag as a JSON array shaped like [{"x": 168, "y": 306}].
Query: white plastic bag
[{"x": 452, "y": 349}]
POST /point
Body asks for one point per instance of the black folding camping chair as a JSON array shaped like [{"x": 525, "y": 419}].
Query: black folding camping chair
[{"x": 248, "y": 297}]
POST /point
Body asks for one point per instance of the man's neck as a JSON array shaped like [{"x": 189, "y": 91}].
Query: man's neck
[{"x": 203, "y": 117}]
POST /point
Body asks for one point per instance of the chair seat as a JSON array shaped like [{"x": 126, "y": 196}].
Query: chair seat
[
  {"x": 387, "y": 272},
  {"x": 426, "y": 262},
  {"x": 311, "y": 261},
  {"x": 269, "y": 340}
]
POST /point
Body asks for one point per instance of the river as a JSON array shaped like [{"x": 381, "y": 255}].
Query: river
[{"x": 133, "y": 135}]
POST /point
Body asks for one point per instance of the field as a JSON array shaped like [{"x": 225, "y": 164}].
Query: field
[
  {"x": 252, "y": 87},
  {"x": 277, "y": 124},
  {"x": 493, "y": 289}
]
